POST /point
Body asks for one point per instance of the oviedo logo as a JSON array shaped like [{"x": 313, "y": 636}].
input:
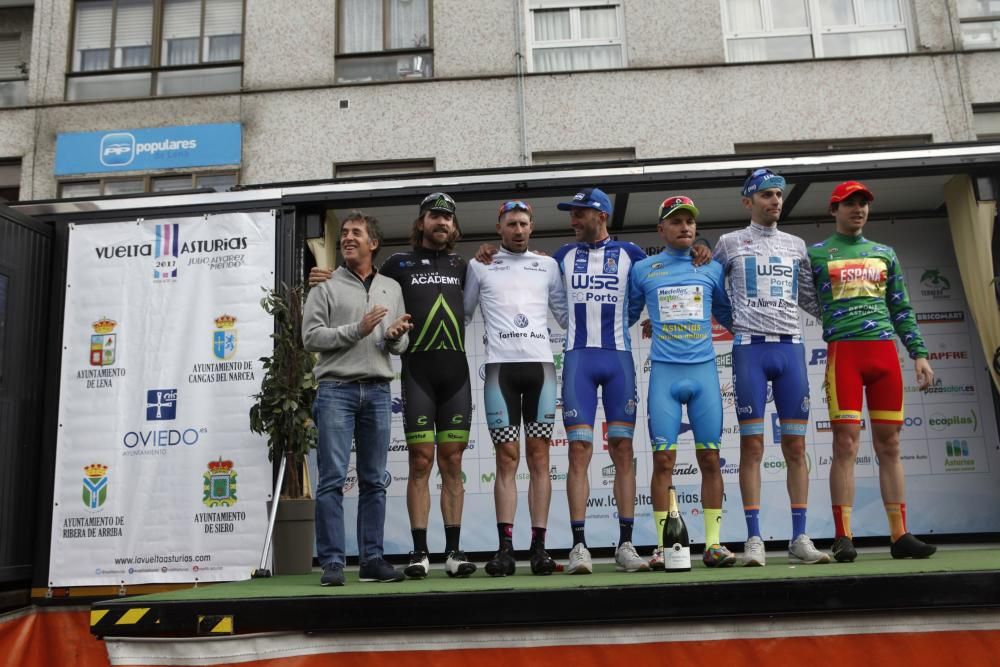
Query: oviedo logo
[{"x": 161, "y": 404}]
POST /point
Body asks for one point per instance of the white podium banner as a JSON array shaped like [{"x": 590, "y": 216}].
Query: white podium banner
[{"x": 158, "y": 478}]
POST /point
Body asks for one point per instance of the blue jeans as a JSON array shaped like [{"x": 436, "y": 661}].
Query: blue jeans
[{"x": 346, "y": 411}]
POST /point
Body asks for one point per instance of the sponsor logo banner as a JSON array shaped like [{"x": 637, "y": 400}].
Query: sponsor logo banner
[{"x": 163, "y": 333}]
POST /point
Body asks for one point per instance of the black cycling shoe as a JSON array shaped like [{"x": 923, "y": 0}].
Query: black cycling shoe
[
  {"x": 908, "y": 546},
  {"x": 502, "y": 564},
  {"x": 542, "y": 563},
  {"x": 843, "y": 550}
]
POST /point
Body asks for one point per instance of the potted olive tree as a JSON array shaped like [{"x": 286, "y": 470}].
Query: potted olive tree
[{"x": 282, "y": 411}]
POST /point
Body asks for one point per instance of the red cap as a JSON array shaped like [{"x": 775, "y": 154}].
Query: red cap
[{"x": 848, "y": 188}]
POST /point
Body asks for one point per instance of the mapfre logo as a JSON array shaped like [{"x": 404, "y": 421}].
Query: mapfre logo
[{"x": 947, "y": 356}]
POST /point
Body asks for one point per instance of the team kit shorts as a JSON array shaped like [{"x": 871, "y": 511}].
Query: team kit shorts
[
  {"x": 585, "y": 370},
  {"x": 516, "y": 391},
  {"x": 869, "y": 366},
  {"x": 784, "y": 366},
  {"x": 672, "y": 385},
  {"x": 437, "y": 397}
]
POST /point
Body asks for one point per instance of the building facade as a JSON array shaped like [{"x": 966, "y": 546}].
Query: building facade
[{"x": 321, "y": 89}]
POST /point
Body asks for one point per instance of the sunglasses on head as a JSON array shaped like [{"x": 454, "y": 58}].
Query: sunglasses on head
[{"x": 513, "y": 205}]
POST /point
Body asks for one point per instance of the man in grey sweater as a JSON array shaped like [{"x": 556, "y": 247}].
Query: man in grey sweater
[{"x": 354, "y": 320}]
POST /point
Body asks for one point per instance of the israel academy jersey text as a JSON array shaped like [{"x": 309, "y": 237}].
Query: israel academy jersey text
[
  {"x": 432, "y": 283},
  {"x": 596, "y": 280},
  {"x": 862, "y": 292}
]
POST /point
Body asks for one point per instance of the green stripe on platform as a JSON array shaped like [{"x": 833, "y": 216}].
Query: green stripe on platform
[{"x": 868, "y": 564}]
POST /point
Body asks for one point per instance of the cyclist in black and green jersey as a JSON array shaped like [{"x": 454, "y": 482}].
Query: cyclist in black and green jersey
[
  {"x": 437, "y": 397},
  {"x": 865, "y": 306}
]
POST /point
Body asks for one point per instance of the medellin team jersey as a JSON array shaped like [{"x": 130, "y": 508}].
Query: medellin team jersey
[
  {"x": 432, "y": 282},
  {"x": 597, "y": 294},
  {"x": 680, "y": 299},
  {"x": 862, "y": 293}
]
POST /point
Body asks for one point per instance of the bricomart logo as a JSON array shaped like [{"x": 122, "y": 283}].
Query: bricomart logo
[
  {"x": 940, "y": 422},
  {"x": 941, "y": 317}
]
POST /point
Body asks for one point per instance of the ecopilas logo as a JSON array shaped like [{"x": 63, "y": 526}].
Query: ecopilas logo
[{"x": 968, "y": 421}]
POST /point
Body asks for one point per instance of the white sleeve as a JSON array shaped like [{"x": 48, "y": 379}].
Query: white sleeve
[
  {"x": 719, "y": 254},
  {"x": 557, "y": 297}
]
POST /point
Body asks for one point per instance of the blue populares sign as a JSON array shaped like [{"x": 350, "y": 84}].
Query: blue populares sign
[{"x": 148, "y": 149}]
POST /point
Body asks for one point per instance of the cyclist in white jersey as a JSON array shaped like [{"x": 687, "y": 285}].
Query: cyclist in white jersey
[
  {"x": 516, "y": 291},
  {"x": 768, "y": 278}
]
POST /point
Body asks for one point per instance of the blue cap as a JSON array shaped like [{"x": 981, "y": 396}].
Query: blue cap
[
  {"x": 588, "y": 198},
  {"x": 762, "y": 179}
]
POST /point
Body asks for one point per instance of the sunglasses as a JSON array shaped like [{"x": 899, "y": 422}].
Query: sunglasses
[
  {"x": 513, "y": 205},
  {"x": 670, "y": 204}
]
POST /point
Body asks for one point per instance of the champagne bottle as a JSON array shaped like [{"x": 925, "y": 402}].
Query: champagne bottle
[{"x": 676, "y": 547}]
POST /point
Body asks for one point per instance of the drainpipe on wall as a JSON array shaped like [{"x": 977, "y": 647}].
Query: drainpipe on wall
[{"x": 519, "y": 68}]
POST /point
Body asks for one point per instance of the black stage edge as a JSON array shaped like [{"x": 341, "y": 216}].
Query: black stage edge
[{"x": 655, "y": 602}]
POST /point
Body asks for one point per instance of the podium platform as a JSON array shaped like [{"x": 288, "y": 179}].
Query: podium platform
[{"x": 958, "y": 577}]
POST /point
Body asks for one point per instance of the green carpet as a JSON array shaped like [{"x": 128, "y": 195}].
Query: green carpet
[{"x": 868, "y": 564}]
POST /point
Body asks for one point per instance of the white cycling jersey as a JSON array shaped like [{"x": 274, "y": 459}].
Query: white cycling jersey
[
  {"x": 516, "y": 291},
  {"x": 768, "y": 278}
]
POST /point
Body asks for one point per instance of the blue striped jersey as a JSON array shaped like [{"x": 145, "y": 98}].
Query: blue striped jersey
[{"x": 596, "y": 280}]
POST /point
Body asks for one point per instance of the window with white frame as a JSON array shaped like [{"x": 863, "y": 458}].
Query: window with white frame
[
  {"x": 986, "y": 122},
  {"x": 571, "y": 35},
  {"x": 758, "y": 30},
  {"x": 139, "y": 48},
  {"x": 980, "y": 21},
  {"x": 384, "y": 40},
  {"x": 13, "y": 72}
]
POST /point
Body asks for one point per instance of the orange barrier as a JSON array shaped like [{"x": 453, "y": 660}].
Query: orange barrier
[
  {"x": 37, "y": 637},
  {"x": 45, "y": 637},
  {"x": 971, "y": 648}
]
